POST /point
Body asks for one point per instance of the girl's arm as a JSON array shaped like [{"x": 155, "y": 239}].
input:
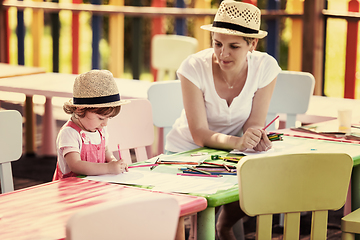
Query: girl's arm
[
  {"x": 196, "y": 115},
  {"x": 75, "y": 164},
  {"x": 109, "y": 156}
]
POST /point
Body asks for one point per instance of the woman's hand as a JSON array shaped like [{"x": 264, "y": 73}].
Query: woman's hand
[
  {"x": 264, "y": 144},
  {"x": 255, "y": 139}
]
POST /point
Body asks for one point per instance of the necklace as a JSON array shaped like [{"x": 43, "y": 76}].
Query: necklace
[{"x": 229, "y": 86}]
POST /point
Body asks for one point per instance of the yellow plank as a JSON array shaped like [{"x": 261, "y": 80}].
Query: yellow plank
[
  {"x": 295, "y": 44},
  {"x": 116, "y": 41},
  {"x": 202, "y": 36}
]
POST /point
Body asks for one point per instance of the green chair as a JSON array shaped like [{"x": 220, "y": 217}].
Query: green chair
[
  {"x": 291, "y": 184},
  {"x": 350, "y": 225}
]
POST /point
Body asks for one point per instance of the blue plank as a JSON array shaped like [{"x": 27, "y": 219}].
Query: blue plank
[
  {"x": 137, "y": 52},
  {"x": 180, "y": 23},
  {"x": 96, "y": 23},
  {"x": 272, "y": 39},
  {"x": 20, "y": 32},
  {"x": 55, "y": 33}
]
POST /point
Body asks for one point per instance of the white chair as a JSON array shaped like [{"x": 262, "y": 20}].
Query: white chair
[
  {"x": 10, "y": 146},
  {"x": 131, "y": 129},
  {"x": 166, "y": 101},
  {"x": 291, "y": 96},
  {"x": 168, "y": 51},
  {"x": 136, "y": 218}
]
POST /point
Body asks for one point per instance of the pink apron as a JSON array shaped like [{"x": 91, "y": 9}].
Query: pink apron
[{"x": 89, "y": 152}]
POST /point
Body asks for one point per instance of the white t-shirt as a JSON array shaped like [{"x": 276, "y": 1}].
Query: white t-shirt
[
  {"x": 262, "y": 69},
  {"x": 69, "y": 140}
]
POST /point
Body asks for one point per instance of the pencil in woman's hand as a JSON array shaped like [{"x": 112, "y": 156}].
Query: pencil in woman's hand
[{"x": 271, "y": 122}]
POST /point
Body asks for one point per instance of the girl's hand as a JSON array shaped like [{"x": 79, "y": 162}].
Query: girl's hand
[
  {"x": 264, "y": 144},
  {"x": 117, "y": 167}
]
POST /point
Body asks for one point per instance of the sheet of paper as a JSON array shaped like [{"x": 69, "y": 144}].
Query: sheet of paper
[{"x": 170, "y": 182}]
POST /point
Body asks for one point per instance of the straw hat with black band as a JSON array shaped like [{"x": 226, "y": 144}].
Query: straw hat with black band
[
  {"x": 96, "y": 88},
  {"x": 237, "y": 18}
]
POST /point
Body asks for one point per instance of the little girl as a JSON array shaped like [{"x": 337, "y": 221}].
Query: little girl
[{"x": 82, "y": 142}]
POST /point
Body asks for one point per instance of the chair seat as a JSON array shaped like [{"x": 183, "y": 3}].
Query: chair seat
[{"x": 351, "y": 222}]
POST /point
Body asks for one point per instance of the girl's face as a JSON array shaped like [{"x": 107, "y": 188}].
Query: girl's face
[
  {"x": 230, "y": 51},
  {"x": 93, "y": 121}
]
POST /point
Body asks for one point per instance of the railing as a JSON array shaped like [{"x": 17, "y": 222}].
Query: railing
[{"x": 304, "y": 51}]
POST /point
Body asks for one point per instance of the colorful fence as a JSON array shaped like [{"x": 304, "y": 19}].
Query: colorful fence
[{"x": 305, "y": 53}]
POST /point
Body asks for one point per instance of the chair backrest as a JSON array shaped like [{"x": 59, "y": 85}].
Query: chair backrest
[
  {"x": 291, "y": 96},
  {"x": 135, "y": 218},
  {"x": 291, "y": 184},
  {"x": 168, "y": 51},
  {"x": 166, "y": 101},
  {"x": 132, "y": 128},
  {"x": 10, "y": 146}
]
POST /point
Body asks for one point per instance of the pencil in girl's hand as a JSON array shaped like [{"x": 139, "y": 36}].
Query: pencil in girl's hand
[
  {"x": 119, "y": 152},
  {"x": 271, "y": 122}
]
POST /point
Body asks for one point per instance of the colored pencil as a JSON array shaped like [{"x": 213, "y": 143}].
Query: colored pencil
[
  {"x": 198, "y": 170},
  {"x": 119, "y": 152},
  {"x": 145, "y": 165},
  {"x": 155, "y": 164},
  {"x": 197, "y": 175},
  {"x": 182, "y": 163},
  {"x": 213, "y": 173},
  {"x": 219, "y": 164},
  {"x": 271, "y": 122}
]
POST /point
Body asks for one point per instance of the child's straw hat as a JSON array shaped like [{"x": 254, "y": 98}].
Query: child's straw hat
[
  {"x": 237, "y": 18},
  {"x": 96, "y": 88}
]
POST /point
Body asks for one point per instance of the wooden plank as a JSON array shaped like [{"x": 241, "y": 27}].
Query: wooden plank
[
  {"x": 3, "y": 33},
  {"x": 116, "y": 41},
  {"x": 313, "y": 42},
  {"x": 295, "y": 44}
]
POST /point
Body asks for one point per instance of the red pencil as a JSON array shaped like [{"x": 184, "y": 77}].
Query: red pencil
[
  {"x": 198, "y": 175},
  {"x": 271, "y": 122},
  {"x": 119, "y": 152}
]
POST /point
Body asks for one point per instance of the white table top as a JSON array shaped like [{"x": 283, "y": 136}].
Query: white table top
[
  {"x": 328, "y": 106},
  {"x": 9, "y": 70},
  {"x": 61, "y": 85}
]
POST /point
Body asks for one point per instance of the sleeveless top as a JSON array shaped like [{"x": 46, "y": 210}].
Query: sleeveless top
[{"x": 89, "y": 152}]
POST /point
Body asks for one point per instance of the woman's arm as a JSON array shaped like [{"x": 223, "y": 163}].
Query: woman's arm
[{"x": 257, "y": 118}]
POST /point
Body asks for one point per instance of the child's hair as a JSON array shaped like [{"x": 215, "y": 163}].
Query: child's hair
[{"x": 104, "y": 111}]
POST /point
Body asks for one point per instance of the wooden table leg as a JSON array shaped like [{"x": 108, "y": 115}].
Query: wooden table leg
[
  {"x": 48, "y": 130},
  {"x": 180, "y": 232},
  {"x": 30, "y": 126}
]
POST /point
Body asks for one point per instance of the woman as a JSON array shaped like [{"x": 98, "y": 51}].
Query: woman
[{"x": 226, "y": 92}]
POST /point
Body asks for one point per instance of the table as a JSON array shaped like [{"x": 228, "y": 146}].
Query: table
[
  {"x": 9, "y": 70},
  {"x": 206, "y": 218},
  {"x": 41, "y": 212},
  {"x": 326, "y": 108},
  {"x": 59, "y": 85}
]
